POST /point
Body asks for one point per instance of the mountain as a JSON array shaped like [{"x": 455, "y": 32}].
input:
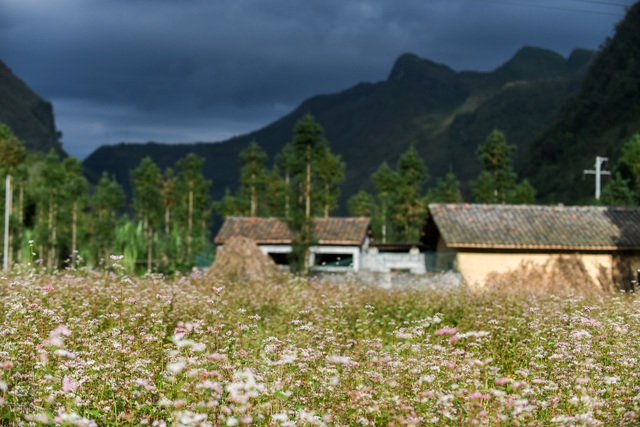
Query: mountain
[
  {"x": 595, "y": 122},
  {"x": 445, "y": 114},
  {"x": 28, "y": 116}
]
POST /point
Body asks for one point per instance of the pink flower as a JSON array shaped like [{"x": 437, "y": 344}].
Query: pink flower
[
  {"x": 501, "y": 381},
  {"x": 447, "y": 331},
  {"x": 476, "y": 395},
  {"x": 590, "y": 322},
  {"x": 68, "y": 384},
  {"x": 60, "y": 330},
  {"x": 47, "y": 288}
]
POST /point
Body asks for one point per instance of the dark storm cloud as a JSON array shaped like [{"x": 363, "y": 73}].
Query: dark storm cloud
[{"x": 189, "y": 70}]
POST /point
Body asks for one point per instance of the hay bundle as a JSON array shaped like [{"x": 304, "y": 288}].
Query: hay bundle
[
  {"x": 241, "y": 259},
  {"x": 559, "y": 274}
]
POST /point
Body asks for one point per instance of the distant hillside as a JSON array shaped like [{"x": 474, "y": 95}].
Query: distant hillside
[
  {"x": 29, "y": 116},
  {"x": 595, "y": 122},
  {"x": 443, "y": 113}
]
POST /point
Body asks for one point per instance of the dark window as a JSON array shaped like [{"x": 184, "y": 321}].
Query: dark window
[
  {"x": 280, "y": 259},
  {"x": 334, "y": 260}
]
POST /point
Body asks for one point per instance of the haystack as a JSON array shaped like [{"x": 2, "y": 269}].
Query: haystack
[
  {"x": 563, "y": 273},
  {"x": 241, "y": 259}
]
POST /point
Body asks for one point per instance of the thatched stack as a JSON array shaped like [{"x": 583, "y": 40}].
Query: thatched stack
[
  {"x": 562, "y": 273},
  {"x": 241, "y": 259}
]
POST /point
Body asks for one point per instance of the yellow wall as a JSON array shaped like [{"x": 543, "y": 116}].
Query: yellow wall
[{"x": 476, "y": 266}]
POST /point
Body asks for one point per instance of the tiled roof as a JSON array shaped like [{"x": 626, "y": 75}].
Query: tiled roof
[
  {"x": 327, "y": 231},
  {"x": 537, "y": 227}
]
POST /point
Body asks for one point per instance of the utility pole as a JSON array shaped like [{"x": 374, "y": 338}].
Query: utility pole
[
  {"x": 598, "y": 172},
  {"x": 7, "y": 213}
]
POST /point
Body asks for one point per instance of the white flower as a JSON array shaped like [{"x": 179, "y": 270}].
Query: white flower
[
  {"x": 176, "y": 367},
  {"x": 341, "y": 360}
]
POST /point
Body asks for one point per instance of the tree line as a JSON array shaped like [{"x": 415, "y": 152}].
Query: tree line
[
  {"x": 58, "y": 219},
  {"x": 623, "y": 189}
]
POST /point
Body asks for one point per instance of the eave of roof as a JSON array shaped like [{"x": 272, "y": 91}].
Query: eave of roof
[{"x": 531, "y": 227}]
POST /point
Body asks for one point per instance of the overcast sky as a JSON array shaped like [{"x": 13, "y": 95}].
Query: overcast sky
[{"x": 206, "y": 70}]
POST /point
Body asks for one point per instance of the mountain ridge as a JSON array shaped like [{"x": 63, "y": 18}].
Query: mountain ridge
[
  {"x": 421, "y": 103},
  {"x": 28, "y": 116},
  {"x": 597, "y": 121}
]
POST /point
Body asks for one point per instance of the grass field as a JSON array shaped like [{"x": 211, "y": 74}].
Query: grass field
[{"x": 102, "y": 349}]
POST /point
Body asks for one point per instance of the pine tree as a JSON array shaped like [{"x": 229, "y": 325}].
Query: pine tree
[
  {"x": 252, "y": 175},
  {"x": 617, "y": 192},
  {"x": 495, "y": 156},
  {"x": 76, "y": 187},
  {"x": 483, "y": 189},
  {"x": 308, "y": 139},
  {"x": 276, "y": 193},
  {"x": 385, "y": 181},
  {"x": 169, "y": 193},
  {"x": 50, "y": 185},
  {"x": 408, "y": 207},
  {"x": 308, "y": 143},
  {"x": 330, "y": 174},
  {"x": 12, "y": 154},
  {"x": 195, "y": 206},
  {"x": 107, "y": 199},
  {"x": 286, "y": 162},
  {"x": 497, "y": 183},
  {"x": 362, "y": 204},
  {"x": 446, "y": 190},
  {"x": 146, "y": 182},
  {"x": 228, "y": 205}
]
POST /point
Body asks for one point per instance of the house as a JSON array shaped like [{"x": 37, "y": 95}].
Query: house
[
  {"x": 498, "y": 238},
  {"x": 339, "y": 242}
]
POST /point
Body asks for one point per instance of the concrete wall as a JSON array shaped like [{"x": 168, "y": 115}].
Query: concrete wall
[
  {"x": 385, "y": 262},
  {"x": 476, "y": 266}
]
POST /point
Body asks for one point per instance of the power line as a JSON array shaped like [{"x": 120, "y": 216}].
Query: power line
[
  {"x": 539, "y": 6},
  {"x": 602, "y": 2}
]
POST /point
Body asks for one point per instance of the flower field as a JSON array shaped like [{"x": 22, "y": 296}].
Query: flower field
[{"x": 101, "y": 349}]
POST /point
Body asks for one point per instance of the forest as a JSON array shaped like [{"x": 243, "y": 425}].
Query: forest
[{"x": 59, "y": 220}]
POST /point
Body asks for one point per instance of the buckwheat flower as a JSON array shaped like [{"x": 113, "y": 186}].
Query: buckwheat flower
[
  {"x": 217, "y": 356},
  {"x": 580, "y": 333},
  {"x": 446, "y": 331},
  {"x": 39, "y": 418},
  {"x": 611, "y": 380},
  {"x": 426, "y": 379},
  {"x": 164, "y": 403},
  {"x": 60, "y": 330},
  {"x": 3, "y": 386},
  {"x": 403, "y": 335},
  {"x": 280, "y": 416},
  {"x": 176, "y": 367},
  {"x": 477, "y": 395},
  {"x": 341, "y": 360},
  {"x": 501, "y": 381},
  {"x": 68, "y": 385},
  {"x": 64, "y": 353},
  {"x": 232, "y": 421}
]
